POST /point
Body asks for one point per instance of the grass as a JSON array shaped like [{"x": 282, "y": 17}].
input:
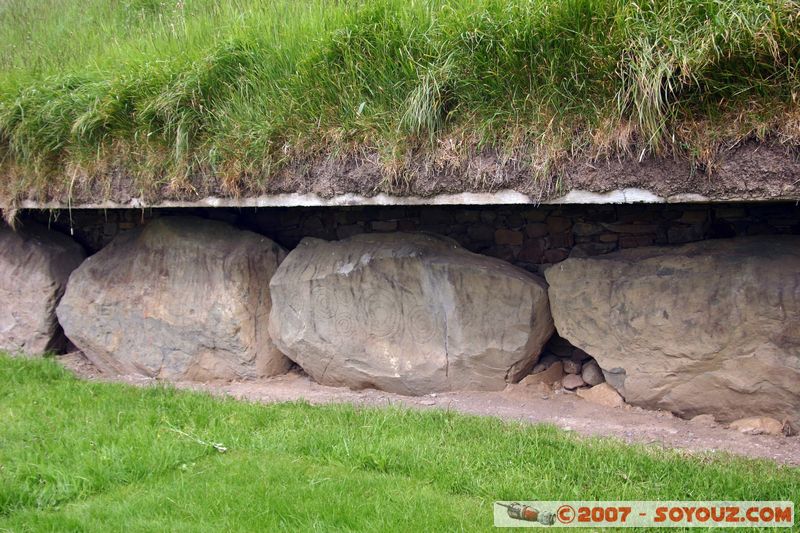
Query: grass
[
  {"x": 164, "y": 91},
  {"x": 82, "y": 456}
]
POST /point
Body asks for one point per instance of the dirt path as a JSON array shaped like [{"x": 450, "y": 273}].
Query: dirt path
[{"x": 631, "y": 424}]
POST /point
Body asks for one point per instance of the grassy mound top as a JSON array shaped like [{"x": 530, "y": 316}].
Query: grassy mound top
[{"x": 163, "y": 90}]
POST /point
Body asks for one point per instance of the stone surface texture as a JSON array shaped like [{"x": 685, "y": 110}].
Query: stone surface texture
[
  {"x": 760, "y": 425},
  {"x": 550, "y": 375},
  {"x": 711, "y": 327},
  {"x": 592, "y": 374},
  {"x": 35, "y": 264},
  {"x": 407, "y": 313},
  {"x": 572, "y": 381},
  {"x": 181, "y": 299},
  {"x": 603, "y": 394}
]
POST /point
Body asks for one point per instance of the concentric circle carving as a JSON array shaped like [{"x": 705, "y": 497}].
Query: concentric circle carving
[
  {"x": 346, "y": 325},
  {"x": 422, "y": 324},
  {"x": 323, "y": 301},
  {"x": 381, "y": 313}
]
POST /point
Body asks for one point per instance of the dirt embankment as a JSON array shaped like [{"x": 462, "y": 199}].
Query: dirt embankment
[{"x": 747, "y": 171}]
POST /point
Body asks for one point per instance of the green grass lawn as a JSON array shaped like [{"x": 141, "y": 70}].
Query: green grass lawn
[
  {"x": 165, "y": 89},
  {"x": 78, "y": 456}
]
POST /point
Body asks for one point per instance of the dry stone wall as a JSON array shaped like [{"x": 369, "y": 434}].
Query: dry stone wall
[{"x": 523, "y": 235}]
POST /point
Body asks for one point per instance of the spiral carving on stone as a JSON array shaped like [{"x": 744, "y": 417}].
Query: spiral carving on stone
[
  {"x": 346, "y": 325},
  {"x": 381, "y": 313},
  {"x": 422, "y": 324},
  {"x": 323, "y": 301}
]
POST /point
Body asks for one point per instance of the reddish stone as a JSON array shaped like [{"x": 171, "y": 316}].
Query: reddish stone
[
  {"x": 556, "y": 225},
  {"x": 555, "y": 256},
  {"x": 565, "y": 240},
  {"x": 536, "y": 230},
  {"x": 532, "y": 251},
  {"x": 572, "y": 381},
  {"x": 508, "y": 237}
]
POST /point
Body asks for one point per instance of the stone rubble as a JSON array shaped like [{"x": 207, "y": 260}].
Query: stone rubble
[
  {"x": 603, "y": 394},
  {"x": 761, "y": 425},
  {"x": 552, "y": 374},
  {"x": 572, "y": 382},
  {"x": 592, "y": 374}
]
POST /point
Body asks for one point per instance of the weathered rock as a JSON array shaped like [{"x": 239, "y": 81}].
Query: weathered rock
[
  {"x": 711, "y": 327},
  {"x": 35, "y": 264},
  {"x": 532, "y": 251},
  {"x": 760, "y": 425},
  {"x": 603, "y": 394},
  {"x": 545, "y": 361},
  {"x": 407, "y": 313},
  {"x": 572, "y": 367},
  {"x": 615, "y": 377},
  {"x": 592, "y": 374},
  {"x": 572, "y": 381},
  {"x": 704, "y": 420},
  {"x": 507, "y": 236},
  {"x": 548, "y": 376},
  {"x": 556, "y": 224},
  {"x": 522, "y": 389},
  {"x": 536, "y": 230},
  {"x": 183, "y": 298},
  {"x": 586, "y": 229}
]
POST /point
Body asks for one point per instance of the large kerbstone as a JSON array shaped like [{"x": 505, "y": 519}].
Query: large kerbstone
[
  {"x": 35, "y": 264},
  {"x": 183, "y": 298},
  {"x": 710, "y": 327},
  {"x": 407, "y": 313}
]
